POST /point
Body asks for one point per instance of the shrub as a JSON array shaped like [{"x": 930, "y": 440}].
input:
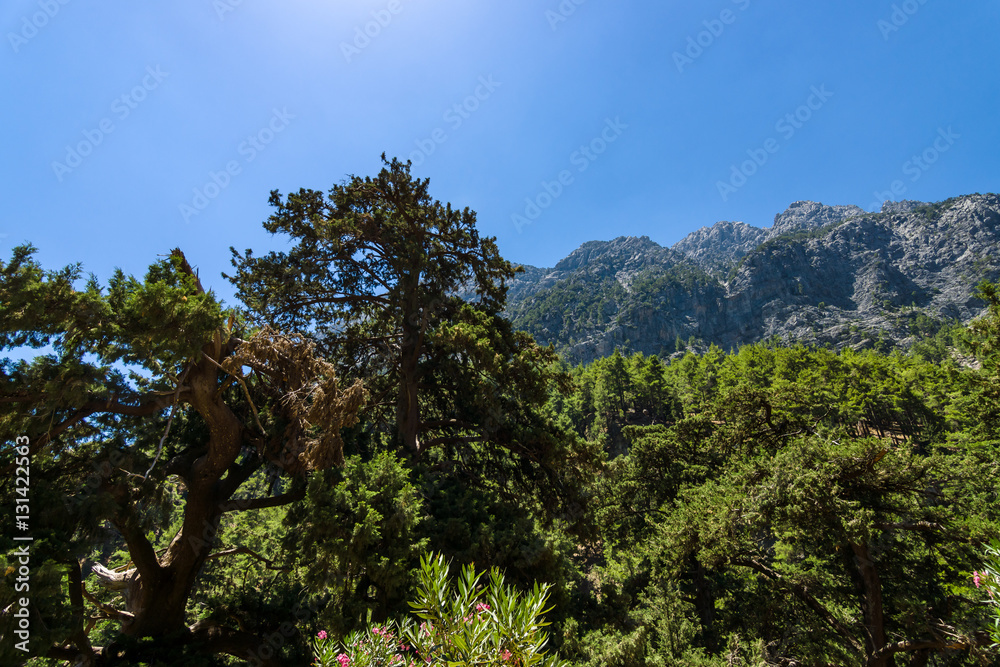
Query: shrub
[
  {"x": 462, "y": 623},
  {"x": 989, "y": 579}
]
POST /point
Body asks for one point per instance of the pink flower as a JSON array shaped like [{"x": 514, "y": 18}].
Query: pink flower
[
  {"x": 505, "y": 655},
  {"x": 482, "y": 606},
  {"x": 343, "y": 660},
  {"x": 975, "y": 578},
  {"x": 321, "y": 634}
]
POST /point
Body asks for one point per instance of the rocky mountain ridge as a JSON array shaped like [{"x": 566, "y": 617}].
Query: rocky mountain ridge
[{"x": 821, "y": 274}]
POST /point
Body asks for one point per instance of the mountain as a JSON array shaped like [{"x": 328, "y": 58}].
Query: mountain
[
  {"x": 820, "y": 274},
  {"x": 719, "y": 247}
]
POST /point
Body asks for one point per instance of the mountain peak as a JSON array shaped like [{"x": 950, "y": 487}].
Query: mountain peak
[
  {"x": 866, "y": 281},
  {"x": 902, "y": 206},
  {"x": 614, "y": 253},
  {"x": 718, "y": 247},
  {"x": 807, "y": 214},
  {"x": 715, "y": 248}
]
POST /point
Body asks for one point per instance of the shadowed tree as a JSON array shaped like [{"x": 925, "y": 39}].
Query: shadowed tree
[
  {"x": 377, "y": 275},
  {"x": 205, "y": 410}
]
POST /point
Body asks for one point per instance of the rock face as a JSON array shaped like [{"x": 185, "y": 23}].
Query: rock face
[
  {"x": 822, "y": 274},
  {"x": 720, "y": 246},
  {"x": 717, "y": 248},
  {"x": 806, "y": 215}
]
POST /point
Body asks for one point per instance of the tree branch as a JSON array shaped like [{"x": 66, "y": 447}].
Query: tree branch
[
  {"x": 809, "y": 600},
  {"x": 450, "y": 440},
  {"x": 154, "y": 404},
  {"x": 187, "y": 268},
  {"x": 912, "y": 525},
  {"x": 244, "y": 645},
  {"x": 76, "y": 594},
  {"x": 449, "y": 423},
  {"x": 239, "y": 378},
  {"x": 237, "y": 474},
  {"x": 262, "y": 503},
  {"x": 140, "y": 551},
  {"x": 320, "y": 300},
  {"x": 910, "y": 645},
  {"x": 248, "y": 552},
  {"x": 112, "y": 583},
  {"x": 170, "y": 420}
]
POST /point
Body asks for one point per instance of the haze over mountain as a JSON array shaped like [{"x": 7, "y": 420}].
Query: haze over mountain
[{"x": 820, "y": 274}]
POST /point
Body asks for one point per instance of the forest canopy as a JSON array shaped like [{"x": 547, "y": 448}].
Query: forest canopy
[{"x": 216, "y": 485}]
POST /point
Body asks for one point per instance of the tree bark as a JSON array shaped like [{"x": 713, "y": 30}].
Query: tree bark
[
  {"x": 869, "y": 589},
  {"x": 79, "y": 635},
  {"x": 254, "y": 649},
  {"x": 705, "y": 604},
  {"x": 407, "y": 405},
  {"x": 848, "y": 640},
  {"x": 157, "y": 590}
]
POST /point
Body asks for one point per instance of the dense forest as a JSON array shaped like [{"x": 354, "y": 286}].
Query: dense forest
[{"x": 358, "y": 465}]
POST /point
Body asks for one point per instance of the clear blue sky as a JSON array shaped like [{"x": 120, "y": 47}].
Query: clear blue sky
[{"x": 115, "y": 113}]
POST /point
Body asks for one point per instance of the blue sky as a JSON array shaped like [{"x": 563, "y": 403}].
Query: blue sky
[{"x": 132, "y": 128}]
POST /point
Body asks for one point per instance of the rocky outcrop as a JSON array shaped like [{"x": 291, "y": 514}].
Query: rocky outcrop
[
  {"x": 806, "y": 215},
  {"x": 822, "y": 274},
  {"x": 717, "y": 248}
]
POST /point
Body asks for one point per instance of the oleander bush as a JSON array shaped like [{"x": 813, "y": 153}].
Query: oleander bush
[{"x": 474, "y": 619}]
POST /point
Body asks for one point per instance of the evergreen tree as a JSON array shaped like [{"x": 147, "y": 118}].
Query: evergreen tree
[
  {"x": 203, "y": 411},
  {"x": 377, "y": 274}
]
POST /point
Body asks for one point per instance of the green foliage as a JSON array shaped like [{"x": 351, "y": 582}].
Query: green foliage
[
  {"x": 355, "y": 538},
  {"x": 790, "y": 488},
  {"x": 612, "y": 386},
  {"x": 934, "y": 211},
  {"x": 983, "y": 337},
  {"x": 770, "y": 505},
  {"x": 155, "y": 323},
  {"x": 988, "y": 579},
  {"x": 373, "y": 276},
  {"x": 977, "y": 407},
  {"x": 462, "y": 623}
]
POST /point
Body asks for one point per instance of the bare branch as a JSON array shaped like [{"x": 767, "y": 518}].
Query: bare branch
[
  {"x": 909, "y": 645},
  {"x": 170, "y": 421},
  {"x": 113, "y": 581},
  {"x": 218, "y": 639}
]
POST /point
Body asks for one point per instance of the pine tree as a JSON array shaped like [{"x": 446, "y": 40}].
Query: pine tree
[{"x": 204, "y": 408}]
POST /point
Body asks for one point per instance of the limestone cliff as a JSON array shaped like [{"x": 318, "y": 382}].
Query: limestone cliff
[{"x": 821, "y": 274}]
